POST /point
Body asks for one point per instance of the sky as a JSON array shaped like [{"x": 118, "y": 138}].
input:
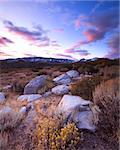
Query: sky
[{"x": 71, "y": 29}]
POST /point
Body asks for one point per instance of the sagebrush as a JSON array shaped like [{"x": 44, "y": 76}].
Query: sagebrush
[{"x": 106, "y": 96}]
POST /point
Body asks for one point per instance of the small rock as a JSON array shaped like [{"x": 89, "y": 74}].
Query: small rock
[
  {"x": 29, "y": 97},
  {"x": 72, "y": 73},
  {"x": 62, "y": 79},
  {"x": 2, "y": 97},
  {"x": 7, "y": 87},
  {"x": 30, "y": 105},
  {"x": 77, "y": 78},
  {"x": 46, "y": 94},
  {"x": 87, "y": 76},
  {"x": 60, "y": 89},
  {"x": 23, "y": 110}
]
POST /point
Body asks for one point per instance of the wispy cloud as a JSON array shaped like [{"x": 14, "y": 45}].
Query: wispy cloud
[
  {"x": 97, "y": 6},
  {"x": 4, "y": 41},
  {"x": 55, "y": 44},
  {"x": 99, "y": 25},
  {"x": 3, "y": 54},
  {"x": 59, "y": 30},
  {"x": 113, "y": 44},
  {"x": 37, "y": 36},
  {"x": 78, "y": 51},
  {"x": 80, "y": 21},
  {"x": 65, "y": 56},
  {"x": 29, "y": 55}
]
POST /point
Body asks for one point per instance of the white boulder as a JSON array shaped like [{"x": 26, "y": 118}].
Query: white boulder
[
  {"x": 62, "y": 79},
  {"x": 36, "y": 83},
  {"x": 78, "y": 110},
  {"x": 2, "y": 97},
  {"x": 29, "y": 97},
  {"x": 84, "y": 120},
  {"x": 69, "y": 102},
  {"x": 72, "y": 73},
  {"x": 60, "y": 89}
]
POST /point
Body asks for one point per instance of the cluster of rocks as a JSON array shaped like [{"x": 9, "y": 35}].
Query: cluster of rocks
[
  {"x": 62, "y": 83},
  {"x": 73, "y": 107},
  {"x": 80, "y": 111}
]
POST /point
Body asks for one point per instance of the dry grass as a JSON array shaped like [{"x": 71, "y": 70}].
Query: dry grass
[
  {"x": 110, "y": 72},
  {"x": 12, "y": 102},
  {"x": 10, "y": 120},
  {"x": 21, "y": 76},
  {"x": 106, "y": 96},
  {"x": 46, "y": 107},
  {"x": 48, "y": 85},
  {"x": 85, "y": 87}
]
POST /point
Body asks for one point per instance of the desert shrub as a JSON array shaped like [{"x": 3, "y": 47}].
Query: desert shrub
[
  {"x": 1, "y": 89},
  {"x": 85, "y": 87},
  {"x": 87, "y": 69},
  {"x": 69, "y": 137},
  {"x": 18, "y": 87},
  {"x": 106, "y": 96},
  {"x": 56, "y": 74},
  {"x": 52, "y": 136},
  {"x": 41, "y": 72},
  {"x": 109, "y": 72},
  {"x": 94, "y": 66},
  {"x": 63, "y": 69},
  {"x": 66, "y": 65},
  {"x": 9, "y": 121},
  {"x": 35, "y": 69},
  {"x": 48, "y": 85}
]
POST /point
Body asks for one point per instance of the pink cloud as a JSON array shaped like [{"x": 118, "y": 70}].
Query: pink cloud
[
  {"x": 29, "y": 55},
  {"x": 4, "y": 41},
  {"x": 77, "y": 24},
  {"x": 97, "y": 25},
  {"x": 55, "y": 44},
  {"x": 80, "y": 21},
  {"x": 65, "y": 56},
  {"x": 93, "y": 35},
  {"x": 59, "y": 30},
  {"x": 3, "y": 54},
  {"x": 36, "y": 37},
  {"x": 81, "y": 52}
]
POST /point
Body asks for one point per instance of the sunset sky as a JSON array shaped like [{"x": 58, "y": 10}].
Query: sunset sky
[{"x": 59, "y": 29}]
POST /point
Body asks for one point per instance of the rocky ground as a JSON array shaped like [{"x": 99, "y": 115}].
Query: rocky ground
[{"x": 49, "y": 94}]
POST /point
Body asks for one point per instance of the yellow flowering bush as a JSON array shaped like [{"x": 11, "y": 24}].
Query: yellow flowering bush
[{"x": 52, "y": 136}]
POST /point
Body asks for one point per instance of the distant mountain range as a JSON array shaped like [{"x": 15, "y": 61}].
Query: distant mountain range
[
  {"x": 42, "y": 59},
  {"x": 31, "y": 62},
  {"x": 37, "y": 62},
  {"x": 39, "y": 59}
]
